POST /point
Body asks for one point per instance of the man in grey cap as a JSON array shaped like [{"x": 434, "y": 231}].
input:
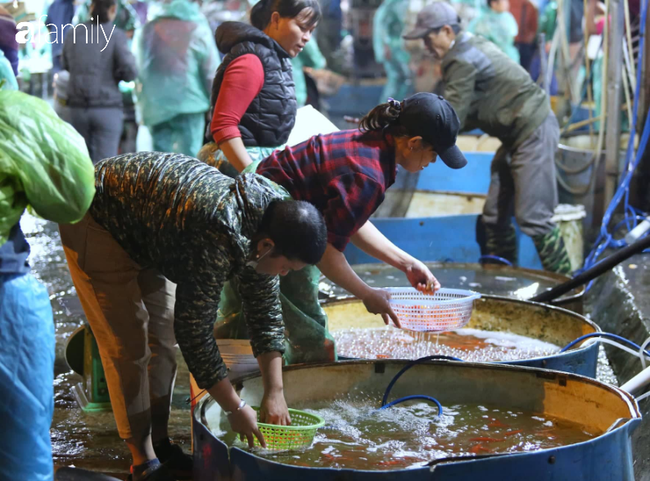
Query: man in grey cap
[{"x": 491, "y": 92}]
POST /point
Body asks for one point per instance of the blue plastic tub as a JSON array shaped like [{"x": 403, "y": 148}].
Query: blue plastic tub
[{"x": 580, "y": 399}]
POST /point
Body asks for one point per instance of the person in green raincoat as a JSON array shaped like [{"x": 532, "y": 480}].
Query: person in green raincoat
[
  {"x": 310, "y": 56},
  {"x": 499, "y": 26},
  {"x": 345, "y": 175},
  {"x": 126, "y": 17},
  {"x": 44, "y": 165},
  {"x": 388, "y": 23},
  {"x": 177, "y": 59}
]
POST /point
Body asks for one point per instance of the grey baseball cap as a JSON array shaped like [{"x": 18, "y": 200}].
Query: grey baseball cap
[{"x": 434, "y": 15}]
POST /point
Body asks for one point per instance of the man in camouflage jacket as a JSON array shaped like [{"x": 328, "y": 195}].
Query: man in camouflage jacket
[{"x": 164, "y": 219}]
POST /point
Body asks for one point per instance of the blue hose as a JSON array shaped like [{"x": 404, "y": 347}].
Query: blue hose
[
  {"x": 409, "y": 366},
  {"x": 495, "y": 258},
  {"x": 605, "y": 239},
  {"x": 604, "y": 334},
  {"x": 416, "y": 396}
]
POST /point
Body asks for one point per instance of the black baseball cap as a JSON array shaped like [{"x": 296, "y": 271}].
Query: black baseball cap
[
  {"x": 433, "y": 16},
  {"x": 434, "y": 119}
]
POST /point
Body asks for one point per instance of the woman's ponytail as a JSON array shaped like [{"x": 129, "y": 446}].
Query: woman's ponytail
[
  {"x": 382, "y": 116},
  {"x": 261, "y": 14}
]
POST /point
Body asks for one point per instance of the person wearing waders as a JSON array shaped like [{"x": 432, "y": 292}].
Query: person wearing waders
[
  {"x": 253, "y": 93},
  {"x": 44, "y": 164},
  {"x": 491, "y": 92},
  {"x": 345, "y": 175},
  {"x": 149, "y": 262}
]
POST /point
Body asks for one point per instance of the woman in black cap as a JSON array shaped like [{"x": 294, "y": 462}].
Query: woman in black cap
[{"x": 345, "y": 175}]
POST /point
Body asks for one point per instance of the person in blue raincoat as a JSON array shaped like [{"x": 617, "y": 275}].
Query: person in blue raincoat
[
  {"x": 499, "y": 26},
  {"x": 177, "y": 59},
  {"x": 388, "y": 23},
  {"x": 44, "y": 164}
]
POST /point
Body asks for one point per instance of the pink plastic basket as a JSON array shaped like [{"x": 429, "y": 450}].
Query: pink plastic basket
[{"x": 446, "y": 310}]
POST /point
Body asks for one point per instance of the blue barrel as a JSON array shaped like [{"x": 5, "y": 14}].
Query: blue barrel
[{"x": 586, "y": 401}]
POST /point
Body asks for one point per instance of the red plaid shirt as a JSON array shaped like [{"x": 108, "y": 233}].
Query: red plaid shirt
[{"x": 344, "y": 174}]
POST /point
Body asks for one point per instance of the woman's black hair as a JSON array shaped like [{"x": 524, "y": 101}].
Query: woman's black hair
[
  {"x": 99, "y": 9},
  {"x": 384, "y": 116},
  {"x": 262, "y": 11},
  {"x": 296, "y": 228}
]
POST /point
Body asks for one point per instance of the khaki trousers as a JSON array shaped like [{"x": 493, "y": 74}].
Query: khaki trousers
[{"x": 131, "y": 313}]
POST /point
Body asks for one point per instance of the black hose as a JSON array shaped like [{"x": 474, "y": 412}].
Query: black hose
[{"x": 593, "y": 272}]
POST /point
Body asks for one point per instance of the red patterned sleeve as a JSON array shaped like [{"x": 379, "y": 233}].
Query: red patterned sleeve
[{"x": 352, "y": 200}]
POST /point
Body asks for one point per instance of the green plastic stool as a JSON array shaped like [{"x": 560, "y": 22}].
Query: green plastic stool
[{"x": 82, "y": 355}]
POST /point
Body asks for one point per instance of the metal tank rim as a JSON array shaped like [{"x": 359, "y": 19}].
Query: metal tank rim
[{"x": 549, "y": 374}]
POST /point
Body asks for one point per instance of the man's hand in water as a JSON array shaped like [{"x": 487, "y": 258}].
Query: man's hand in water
[
  {"x": 274, "y": 408},
  {"x": 243, "y": 422},
  {"x": 421, "y": 277}
]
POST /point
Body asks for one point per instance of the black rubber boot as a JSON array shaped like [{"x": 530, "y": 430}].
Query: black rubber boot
[
  {"x": 173, "y": 458},
  {"x": 497, "y": 241},
  {"x": 552, "y": 252},
  {"x": 156, "y": 473}
]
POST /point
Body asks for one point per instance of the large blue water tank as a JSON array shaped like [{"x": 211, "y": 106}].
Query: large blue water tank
[{"x": 601, "y": 407}]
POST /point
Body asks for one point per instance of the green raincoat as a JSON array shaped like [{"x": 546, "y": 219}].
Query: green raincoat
[
  {"x": 7, "y": 78},
  {"x": 44, "y": 163},
  {"x": 498, "y": 27},
  {"x": 126, "y": 17},
  {"x": 177, "y": 59},
  {"x": 388, "y": 23},
  {"x": 309, "y": 57}
]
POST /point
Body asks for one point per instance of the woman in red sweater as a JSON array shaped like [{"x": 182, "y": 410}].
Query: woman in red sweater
[
  {"x": 253, "y": 94},
  {"x": 345, "y": 175}
]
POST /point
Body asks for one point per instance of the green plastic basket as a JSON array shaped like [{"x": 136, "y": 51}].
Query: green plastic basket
[{"x": 299, "y": 435}]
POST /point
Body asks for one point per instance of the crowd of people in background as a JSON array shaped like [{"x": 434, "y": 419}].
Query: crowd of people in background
[{"x": 188, "y": 57}]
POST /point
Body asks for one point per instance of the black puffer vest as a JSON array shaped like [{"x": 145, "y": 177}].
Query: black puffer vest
[{"x": 272, "y": 114}]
